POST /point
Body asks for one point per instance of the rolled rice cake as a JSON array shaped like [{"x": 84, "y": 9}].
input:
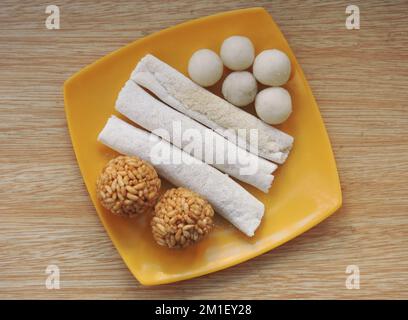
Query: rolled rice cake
[
  {"x": 178, "y": 91},
  {"x": 228, "y": 198}
]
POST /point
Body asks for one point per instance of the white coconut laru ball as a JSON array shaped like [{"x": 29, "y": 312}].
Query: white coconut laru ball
[
  {"x": 239, "y": 88},
  {"x": 205, "y": 67},
  {"x": 273, "y": 105},
  {"x": 237, "y": 53},
  {"x": 272, "y": 67}
]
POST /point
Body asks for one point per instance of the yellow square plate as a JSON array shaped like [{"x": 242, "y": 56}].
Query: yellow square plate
[{"x": 306, "y": 189}]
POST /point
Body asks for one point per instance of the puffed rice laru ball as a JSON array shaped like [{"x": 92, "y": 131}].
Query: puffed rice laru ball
[
  {"x": 181, "y": 218},
  {"x": 128, "y": 186}
]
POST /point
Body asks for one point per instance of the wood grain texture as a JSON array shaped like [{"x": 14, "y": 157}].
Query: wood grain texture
[{"x": 359, "y": 79}]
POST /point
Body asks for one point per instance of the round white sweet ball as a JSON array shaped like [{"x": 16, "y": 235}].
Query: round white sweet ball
[
  {"x": 272, "y": 67},
  {"x": 273, "y": 105},
  {"x": 205, "y": 67},
  {"x": 237, "y": 53},
  {"x": 239, "y": 88}
]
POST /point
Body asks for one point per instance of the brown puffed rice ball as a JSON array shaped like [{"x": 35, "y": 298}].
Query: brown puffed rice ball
[
  {"x": 128, "y": 186},
  {"x": 181, "y": 218}
]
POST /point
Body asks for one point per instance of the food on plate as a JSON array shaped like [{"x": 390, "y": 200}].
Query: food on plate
[
  {"x": 239, "y": 88},
  {"x": 272, "y": 67},
  {"x": 178, "y": 91},
  {"x": 181, "y": 218},
  {"x": 227, "y": 197},
  {"x": 237, "y": 53},
  {"x": 273, "y": 105},
  {"x": 128, "y": 186},
  {"x": 148, "y": 112},
  {"x": 205, "y": 67}
]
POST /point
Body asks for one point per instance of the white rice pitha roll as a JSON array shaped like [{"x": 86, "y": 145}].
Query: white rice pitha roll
[
  {"x": 178, "y": 91},
  {"x": 199, "y": 141},
  {"x": 227, "y": 197}
]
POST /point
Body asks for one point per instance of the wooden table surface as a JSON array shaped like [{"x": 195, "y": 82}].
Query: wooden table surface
[{"x": 359, "y": 79}]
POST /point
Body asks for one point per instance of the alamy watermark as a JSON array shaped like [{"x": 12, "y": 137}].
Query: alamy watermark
[
  {"x": 53, "y": 20},
  {"x": 353, "y": 20},
  {"x": 353, "y": 278},
  {"x": 52, "y": 281},
  {"x": 239, "y": 147}
]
